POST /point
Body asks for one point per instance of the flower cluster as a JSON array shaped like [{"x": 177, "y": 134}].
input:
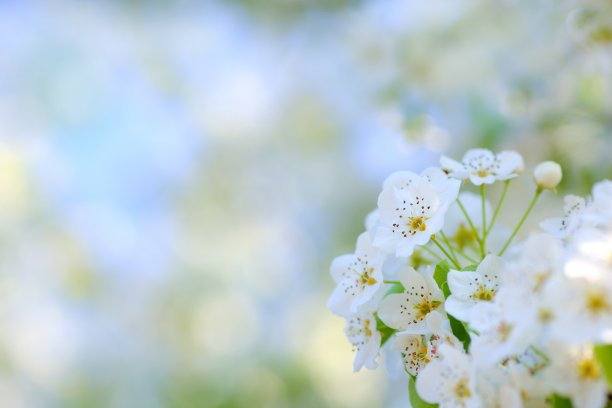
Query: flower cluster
[{"x": 476, "y": 320}]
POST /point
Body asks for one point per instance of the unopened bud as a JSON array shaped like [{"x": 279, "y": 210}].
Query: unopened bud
[{"x": 547, "y": 175}]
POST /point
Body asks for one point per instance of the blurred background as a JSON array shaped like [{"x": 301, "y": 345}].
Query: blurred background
[{"x": 176, "y": 176}]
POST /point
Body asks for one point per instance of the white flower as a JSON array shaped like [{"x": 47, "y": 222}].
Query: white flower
[
  {"x": 407, "y": 311},
  {"x": 361, "y": 332},
  {"x": 456, "y": 226},
  {"x": 441, "y": 331},
  {"x": 583, "y": 308},
  {"x": 547, "y": 175},
  {"x": 415, "y": 351},
  {"x": 512, "y": 385},
  {"x": 449, "y": 381},
  {"x": 371, "y": 221},
  {"x": 590, "y": 255},
  {"x": 499, "y": 335},
  {"x": 468, "y": 288},
  {"x": 600, "y": 210},
  {"x": 418, "y": 350},
  {"x": 530, "y": 304},
  {"x": 563, "y": 227},
  {"x": 584, "y": 291},
  {"x": 358, "y": 277},
  {"x": 574, "y": 372},
  {"x": 481, "y": 166},
  {"x": 412, "y": 209},
  {"x": 539, "y": 257}
]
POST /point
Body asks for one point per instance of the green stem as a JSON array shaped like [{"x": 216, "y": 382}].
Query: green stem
[
  {"x": 474, "y": 230},
  {"x": 466, "y": 256},
  {"x": 450, "y": 258},
  {"x": 484, "y": 213},
  {"x": 450, "y": 247},
  {"x": 390, "y": 282},
  {"x": 499, "y": 205},
  {"x": 541, "y": 354},
  {"x": 432, "y": 253},
  {"x": 523, "y": 218}
]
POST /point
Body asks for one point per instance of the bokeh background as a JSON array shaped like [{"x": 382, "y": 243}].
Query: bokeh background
[{"x": 176, "y": 176}]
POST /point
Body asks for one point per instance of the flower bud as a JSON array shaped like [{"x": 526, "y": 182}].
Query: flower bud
[{"x": 547, "y": 175}]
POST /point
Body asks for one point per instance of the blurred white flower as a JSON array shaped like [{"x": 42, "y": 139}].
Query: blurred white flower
[
  {"x": 449, "y": 381},
  {"x": 584, "y": 308},
  {"x": 498, "y": 335},
  {"x": 456, "y": 226},
  {"x": 599, "y": 211},
  {"x": 574, "y": 372},
  {"x": 564, "y": 227}
]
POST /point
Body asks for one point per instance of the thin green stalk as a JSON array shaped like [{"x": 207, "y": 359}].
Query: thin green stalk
[
  {"x": 450, "y": 247},
  {"x": 450, "y": 258},
  {"x": 466, "y": 256},
  {"x": 391, "y": 282},
  {"x": 541, "y": 354},
  {"x": 474, "y": 230},
  {"x": 432, "y": 253},
  {"x": 499, "y": 205},
  {"x": 523, "y": 218},
  {"x": 483, "y": 199}
]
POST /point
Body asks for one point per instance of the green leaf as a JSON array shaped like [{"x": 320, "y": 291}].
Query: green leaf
[
  {"x": 395, "y": 288},
  {"x": 415, "y": 399},
  {"x": 459, "y": 331},
  {"x": 470, "y": 268},
  {"x": 440, "y": 273},
  {"x": 557, "y": 401},
  {"x": 385, "y": 331},
  {"x": 603, "y": 354}
]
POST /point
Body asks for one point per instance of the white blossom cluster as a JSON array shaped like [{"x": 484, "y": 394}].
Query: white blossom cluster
[{"x": 436, "y": 285}]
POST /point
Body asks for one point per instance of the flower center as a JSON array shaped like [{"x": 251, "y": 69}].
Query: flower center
[
  {"x": 367, "y": 278},
  {"x": 416, "y": 224},
  {"x": 424, "y": 307},
  {"x": 596, "y": 303},
  {"x": 545, "y": 316},
  {"x": 588, "y": 369},
  {"x": 602, "y": 35},
  {"x": 484, "y": 293},
  {"x": 464, "y": 236},
  {"x": 483, "y": 173},
  {"x": 462, "y": 390},
  {"x": 539, "y": 279},
  {"x": 419, "y": 356},
  {"x": 366, "y": 328}
]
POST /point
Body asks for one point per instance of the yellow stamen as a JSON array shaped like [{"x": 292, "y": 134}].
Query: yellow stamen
[
  {"x": 462, "y": 390},
  {"x": 366, "y": 277},
  {"x": 596, "y": 303},
  {"x": 366, "y": 328},
  {"x": 416, "y": 224},
  {"x": 484, "y": 294},
  {"x": 464, "y": 236},
  {"x": 425, "y": 307},
  {"x": 588, "y": 369}
]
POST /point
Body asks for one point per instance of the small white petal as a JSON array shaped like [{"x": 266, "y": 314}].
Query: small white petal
[{"x": 509, "y": 162}]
